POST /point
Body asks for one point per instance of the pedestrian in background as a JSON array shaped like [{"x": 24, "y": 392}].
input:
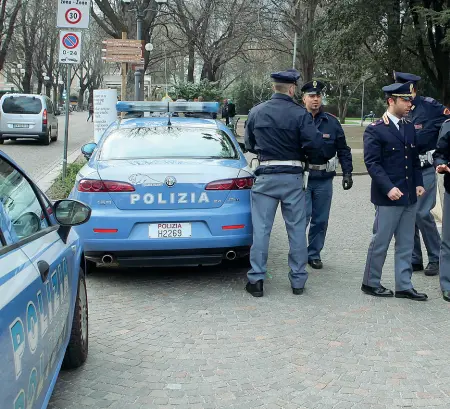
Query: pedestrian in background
[
  {"x": 392, "y": 160},
  {"x": 225, "y": 114},
  {"x": 280, "y": 132},
  {"x": 231, "y": 111},
  {"x": 442, "y": 163},
  {"x": 91, "y": 112},
  {"x": 427, "y": 115},
  {"x": 322, "y": 166}
]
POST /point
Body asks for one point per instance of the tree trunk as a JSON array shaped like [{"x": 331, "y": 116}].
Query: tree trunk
[
  {"x": 39, "y": 86},
  {"x": 191, "y": 64},
  {"x": 394, "y": 33},
  {"x": 81, "y": 97}
]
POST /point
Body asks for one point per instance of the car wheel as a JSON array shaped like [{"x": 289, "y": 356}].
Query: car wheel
[
  {"x": 2, "y": 141},
  {"x": 77, "y": 350},
  {"x": 89, "y": 266},
  {"x": 47, "y": 137},
  {"x": 55, "y": 138}
]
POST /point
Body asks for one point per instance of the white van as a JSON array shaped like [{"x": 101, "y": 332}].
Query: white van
[{"x": 28, "y": 116}]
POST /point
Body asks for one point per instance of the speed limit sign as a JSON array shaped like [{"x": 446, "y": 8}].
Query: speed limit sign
[{"x": 70, "y": 16}]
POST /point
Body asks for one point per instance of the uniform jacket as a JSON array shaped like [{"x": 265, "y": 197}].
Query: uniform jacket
[
  {"x": 281, "y": 129},
  {"x": 427, "y": 115},
  {"x": 392, "y": 161},
  {"x": 442, "y": 154},
  {"x": 333, "y": 142}
]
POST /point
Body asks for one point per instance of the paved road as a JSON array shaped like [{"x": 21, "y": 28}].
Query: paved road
[
  {"x": 38, "y": 160},
  {"x": 193, "y": 339}
]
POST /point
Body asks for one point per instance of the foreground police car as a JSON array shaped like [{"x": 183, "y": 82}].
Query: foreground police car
[
  {"x": 43, "y": 303},
  {"x": 166, "y": 191}
]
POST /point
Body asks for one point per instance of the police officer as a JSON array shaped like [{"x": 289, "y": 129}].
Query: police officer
[
  {"x": 442, "y": 164},
  {"x": 427, "y": 115},
  {"x": 280, "y": 132},
  {"x": 392, "y": 160},
  {"x": 323, "y": 164}
]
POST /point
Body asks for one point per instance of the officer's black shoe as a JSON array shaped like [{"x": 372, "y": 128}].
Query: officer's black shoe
[
  {"x": 317, "y": 264},
  {"x": 257, "y": 289},
  {"x": 432, "y": 269},
  {"x": 446, "y": 295},
  {"x": 297, "y": 291},
  {"x": 412, "y": 294},
  {"x": 417, "y": 267},
  {"x": 377, "y": 291}
]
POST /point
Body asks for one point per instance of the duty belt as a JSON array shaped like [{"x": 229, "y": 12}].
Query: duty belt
[
  {"x": 281, "y": 163},
  {"x": 426, "y": 159},
  {"x": 318, "y": 167}
]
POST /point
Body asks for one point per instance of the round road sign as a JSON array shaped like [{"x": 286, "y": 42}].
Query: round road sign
[
  {"x": 70, "y": 41},
  {"x": 73, "y": 16}
]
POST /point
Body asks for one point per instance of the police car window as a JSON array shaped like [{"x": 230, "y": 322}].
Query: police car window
[
  {"x": 19, "y": 203},
  {"x": 22, "y": 105},
  {"x": 165, "y": 142}
]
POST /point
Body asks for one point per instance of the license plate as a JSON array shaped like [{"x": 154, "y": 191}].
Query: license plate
[
  {"x": 20, "y": 126},
  {"x": 169, "y": 230}
]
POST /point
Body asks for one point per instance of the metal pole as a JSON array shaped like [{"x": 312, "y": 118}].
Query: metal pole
[
  {"x": 362, "y": 104},
  {"x": 66, "y": 129},
  {"x": 137, "y": 73},
  {"x": 294, "y": 55}
]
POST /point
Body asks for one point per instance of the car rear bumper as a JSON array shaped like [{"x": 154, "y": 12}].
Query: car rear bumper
[{"x": 167, "y": 258}]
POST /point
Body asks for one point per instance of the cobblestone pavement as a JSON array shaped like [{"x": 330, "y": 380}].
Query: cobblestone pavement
[{"x": 192, "y": 338}]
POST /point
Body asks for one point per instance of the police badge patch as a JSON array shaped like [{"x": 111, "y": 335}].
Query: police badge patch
[
  {"x": 418, "y": 126},
  {"x": 326, "y": 135}
]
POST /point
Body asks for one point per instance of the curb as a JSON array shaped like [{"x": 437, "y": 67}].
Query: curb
[{"x": 46, "y": 181}]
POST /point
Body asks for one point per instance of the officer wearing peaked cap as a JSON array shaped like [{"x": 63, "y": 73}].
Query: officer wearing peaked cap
[
  {"x": 427, "y": 115},
  {"x": 392, "y": 160},
  {"x": 322, "y": 167},
  {"x": 281, "y": 133}
]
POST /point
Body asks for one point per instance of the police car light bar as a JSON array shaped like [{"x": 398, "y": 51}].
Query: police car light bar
[{"x": 144, "y": 106}]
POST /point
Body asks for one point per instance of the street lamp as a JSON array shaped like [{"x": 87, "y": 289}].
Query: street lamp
[{"x": 140, "y": 14}]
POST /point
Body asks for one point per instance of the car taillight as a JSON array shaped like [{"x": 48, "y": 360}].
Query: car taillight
[
  {"x": 99, "y": 186},
  {"x": 231, "y": 184},
  {"x": 44, "y": 117}
]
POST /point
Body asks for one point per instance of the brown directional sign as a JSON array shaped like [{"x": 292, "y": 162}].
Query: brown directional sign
[
  {"x": 126, "y": 51},
  {"x": 123, "y": 58},
  {"x": 124, "y": 43}
]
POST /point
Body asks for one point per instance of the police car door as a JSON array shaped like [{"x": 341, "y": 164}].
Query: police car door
[{"x": 35, "y": 277}]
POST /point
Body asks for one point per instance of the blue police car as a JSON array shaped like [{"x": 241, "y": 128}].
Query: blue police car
[
  {"x": 43, "y": 302},
  {"x": 166, "y": 191}
]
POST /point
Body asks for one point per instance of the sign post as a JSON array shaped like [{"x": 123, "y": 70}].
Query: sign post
[
  {"x": 70, "y": 16},
  {"x": 69, "y": 53}
]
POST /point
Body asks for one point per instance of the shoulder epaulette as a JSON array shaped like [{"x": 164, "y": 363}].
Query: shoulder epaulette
[
  {"x": 379, "y": 122},
  {"x": 385, "y": 119},
  {"x": 329, "y": 113},
  {"x": 429, "y": 99},
  {"x": 446, "y": 111}
]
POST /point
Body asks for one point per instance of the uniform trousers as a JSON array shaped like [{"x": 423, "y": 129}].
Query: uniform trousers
[
  {"x": 425, "y": 221},
  {"x": 318, "y": 205},
  {"x": 397, "y": 221},
  {"x": 444, "y": 263},
  {"x": 268, "y": 191}
]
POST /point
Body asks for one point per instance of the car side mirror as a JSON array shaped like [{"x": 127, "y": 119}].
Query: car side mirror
[
  {"x": 88, "y": 149},
  {"x": 71, "y": 212},
  {"x": 242, "y": 146}
]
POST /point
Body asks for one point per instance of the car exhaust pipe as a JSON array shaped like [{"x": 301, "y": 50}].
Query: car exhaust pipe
[
  {"x": 107, "y": 259},
  {"x": 230, "y": 255}
]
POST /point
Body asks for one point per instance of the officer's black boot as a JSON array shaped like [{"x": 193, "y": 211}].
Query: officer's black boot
[
  {"x": 256, "y": 289},
  {"x": 432, "y": 269}
]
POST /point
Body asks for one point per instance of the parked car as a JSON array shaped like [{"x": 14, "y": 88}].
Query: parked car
[
  {"x": 165, "y": 191},
  {"x": 43, "y": 301},
  {"x": 28, "y": 116}
]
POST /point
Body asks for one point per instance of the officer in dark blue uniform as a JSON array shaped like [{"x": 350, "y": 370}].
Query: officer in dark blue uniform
[
  {"x": 392, "y": 160},
  {"x": 322, "y": 168},
  {"x": 442, "y": 164},
  {"x": 427, "y": 115},
  {"x": 281, "y": 133}
]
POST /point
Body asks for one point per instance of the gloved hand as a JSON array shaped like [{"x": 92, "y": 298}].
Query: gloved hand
[{"x": 347, "y": 182}]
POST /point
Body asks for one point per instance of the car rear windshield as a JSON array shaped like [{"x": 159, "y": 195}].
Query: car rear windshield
[
  {"x": 22, "y": 105},
  {"x": 167, "y": 142}
]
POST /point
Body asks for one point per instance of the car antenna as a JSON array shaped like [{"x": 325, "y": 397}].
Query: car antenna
[{"x": 169, "y": 124}]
